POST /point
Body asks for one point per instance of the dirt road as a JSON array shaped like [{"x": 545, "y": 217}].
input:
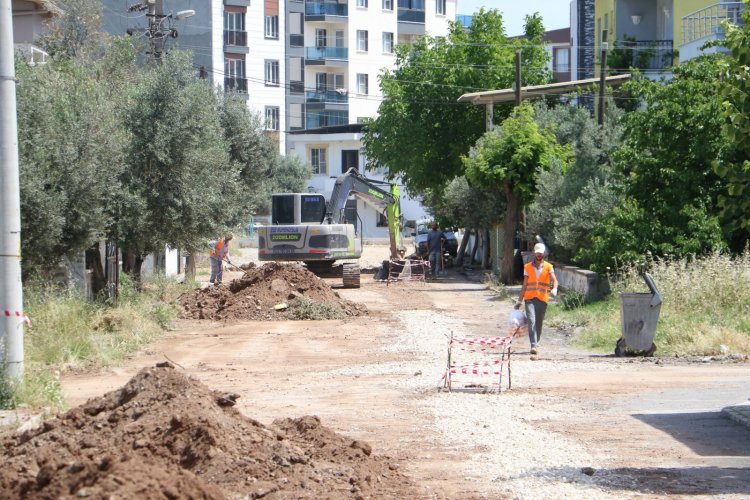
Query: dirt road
[{"x": 637, "y": 427}]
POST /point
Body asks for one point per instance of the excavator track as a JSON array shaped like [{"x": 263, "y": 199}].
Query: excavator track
[{"x": 350, "y": 273}]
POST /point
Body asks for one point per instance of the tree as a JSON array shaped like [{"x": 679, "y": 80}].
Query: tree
[
  {"x": 666, "y": 159},
  {"x": 421, "y": 131},
  {"x": 180, "y": 186},
  {"x": 735, "y": 89},
  {"x": 71, "y": 151},
  {"x": 572, "y": 202},
  {"x": 509, "y": 159}
]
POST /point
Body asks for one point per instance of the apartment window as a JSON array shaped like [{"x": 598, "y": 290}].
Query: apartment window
[
  {"x": 562, "y": 60},
  {"x": 320, "y": 37},
  {"x": 234, "y": 75},
  {"x": 387, "y": 4},
  {"x": 362, "y": 80},
  {"x": 272, "y": 118},
  {"x": 440, "y": 7},
  {"x": 318, "y": 161},
  {"x": 272, "y": 72},
  {"x": 387, "y": 42},
  {"x": 272, "y": 27},
  {"x": 234, "y": 21},
  {"x": 362, "y": 40},
  {"x": 362, "y": 3}
]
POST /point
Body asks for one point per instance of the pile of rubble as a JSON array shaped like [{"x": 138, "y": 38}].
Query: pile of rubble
[
  {"x": 166, "y": 435},
  {"x": 263, "y": 293}
]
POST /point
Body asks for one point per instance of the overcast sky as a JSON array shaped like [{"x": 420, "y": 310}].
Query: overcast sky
[{"x": 555, "y": 13}]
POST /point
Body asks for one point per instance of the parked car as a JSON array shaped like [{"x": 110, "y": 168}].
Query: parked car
[{"x": 450, "y": 247}]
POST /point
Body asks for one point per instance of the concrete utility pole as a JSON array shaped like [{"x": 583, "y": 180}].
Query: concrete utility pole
[
  {"x": 602, "y": 78},
  {"x": 156, "y": 30},
  {"x": 11, "y": 291},
  {"x": 518, "y": 77}
]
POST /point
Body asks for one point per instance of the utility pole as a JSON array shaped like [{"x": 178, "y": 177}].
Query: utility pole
[
  {"x": 155, "y": 32},
  {"x": 518, "y": 77},
  {"x": 11, "y": 291},
  {"x": 602, "y": 77}
]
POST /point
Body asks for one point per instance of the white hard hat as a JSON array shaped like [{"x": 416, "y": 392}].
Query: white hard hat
[{"x": 540, "y": 248}]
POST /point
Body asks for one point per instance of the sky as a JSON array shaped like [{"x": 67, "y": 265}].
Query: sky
[{"x": 555, "y": 13}]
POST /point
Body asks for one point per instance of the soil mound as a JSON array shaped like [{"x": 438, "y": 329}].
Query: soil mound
[
  {"x": 165, "y": 435},
  {"x": 260, "y": 289}
]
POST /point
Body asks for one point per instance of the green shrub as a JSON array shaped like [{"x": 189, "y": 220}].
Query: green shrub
[{"x": 305, "y": 308}]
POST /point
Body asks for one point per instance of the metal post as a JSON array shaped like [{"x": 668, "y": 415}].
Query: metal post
[
  {"x": 11, "y": 290},
  {"x": 156, "y": 31},
  {"x": 489, "y": 116},
  {"x": 518, "y": 77},
  {"x": 602, "y": 77}
]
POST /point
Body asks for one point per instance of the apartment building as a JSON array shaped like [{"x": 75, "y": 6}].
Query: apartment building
[
  {"x": 655, "y": 34},
  {"x": 28, "y": 20},
  {"x": 336, "y": 51}
]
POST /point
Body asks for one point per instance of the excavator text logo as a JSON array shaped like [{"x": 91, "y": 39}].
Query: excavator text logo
[
  {"x": 286, "y": 237},
  {"x": 375, "y": 193}
]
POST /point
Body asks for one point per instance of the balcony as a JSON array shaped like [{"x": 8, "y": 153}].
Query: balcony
[
  {"x": 235, "y": 38},
  {"x": 318, "y": 11},
  {"x": 322, "y": 55},
  {"x": 235, "y": 83},
  {"x": 705, "y": 25},
  {"x": 327, "y": 96},
  {"x": 411, "y": 16},
  {"x": 647, "y": 55},
  {"x": 296, "y": 87}
]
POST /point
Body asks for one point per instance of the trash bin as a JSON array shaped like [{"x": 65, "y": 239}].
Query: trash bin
[{"x": 639, "y": 313}]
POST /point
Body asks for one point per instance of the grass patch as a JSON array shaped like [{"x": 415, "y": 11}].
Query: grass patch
[
  {"x": 706, "y": 306},
  {"x": 70, "y": 332},
  {"x": 305, "y": 308}
]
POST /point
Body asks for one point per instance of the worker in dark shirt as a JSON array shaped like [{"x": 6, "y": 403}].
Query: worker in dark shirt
[{"x": 435, "y": 239}]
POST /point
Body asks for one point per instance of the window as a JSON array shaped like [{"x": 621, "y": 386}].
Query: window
[
  {"x": 387, "y": 4},
  {"x": 362, "y": 3},
  {"x": 362, "y": 83},
  {"x": 362, "y": 40},
  {"x": 387, "y": 42},
  {"x": 320, "y": 38},
  {"x": 295, "y": 116},
  {"x": 234, "y": 21},
  {"x": 340, "y": 39},
  {"x": 272, "y": 118},
  {"x": 562, "y": 60},
  {"x": 272, "y": 27},
  {"x": 234, "y": 75},
  {"x": 318, "y": 161},
  {"x": 440, "y": 7},
  {"x": 272, "y": 72}
]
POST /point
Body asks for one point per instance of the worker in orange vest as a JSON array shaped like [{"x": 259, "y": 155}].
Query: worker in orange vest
[
  {"x": 219, "y": 252},
  {"x": 538, "y": 279}
]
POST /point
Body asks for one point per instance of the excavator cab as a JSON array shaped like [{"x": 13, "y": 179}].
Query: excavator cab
[{"x": 297, "y": 208}]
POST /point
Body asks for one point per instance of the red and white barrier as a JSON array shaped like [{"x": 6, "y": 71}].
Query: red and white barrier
[{"x": 19, "y": 314}]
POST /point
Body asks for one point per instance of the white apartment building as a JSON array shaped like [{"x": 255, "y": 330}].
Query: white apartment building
[{"x": 333, "y": 83}]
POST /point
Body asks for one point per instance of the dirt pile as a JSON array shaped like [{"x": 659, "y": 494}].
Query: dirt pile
[
  {"x": 260, "y": 289},
  {"x": 165, "y": 435}
]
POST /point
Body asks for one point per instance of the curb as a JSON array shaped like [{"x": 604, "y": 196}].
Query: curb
[{"x": 738, "y": 413}]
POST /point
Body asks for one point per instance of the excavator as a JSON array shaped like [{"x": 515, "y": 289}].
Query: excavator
[{"x": 304, "y": 227}]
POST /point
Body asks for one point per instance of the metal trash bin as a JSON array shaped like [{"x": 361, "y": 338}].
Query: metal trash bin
[{"x": 639, "y": 313}]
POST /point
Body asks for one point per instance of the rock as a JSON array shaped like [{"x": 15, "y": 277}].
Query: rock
[
  {"x": 589, "y": 471},
  {"x": 281, "y": 307},
  {"x": 279, "y": 285},
  {"x": 228, "y": 399}
]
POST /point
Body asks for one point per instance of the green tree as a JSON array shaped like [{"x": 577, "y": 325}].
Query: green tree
[
  {"x": 668, "y": 151},
  {"x": 421, "y": 131},
  {"x": 509, "y": 159},
  {"x": 735, "y": 90},
  {"x": 571, "y": 202},
  {"x": 71, "y": 151},
  {"x": 180, "y": 185}
]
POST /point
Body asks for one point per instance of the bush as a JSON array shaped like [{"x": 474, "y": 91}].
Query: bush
[{"x": 305, "y": 308}]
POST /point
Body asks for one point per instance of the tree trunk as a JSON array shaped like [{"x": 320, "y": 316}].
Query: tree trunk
[
  {"x": 486, "y": 249},
  {"x": 190, "y": 267},
  {"x": 137, "y": 264},
  {"x": 477, "y": 237},
  {"x": 459, "y": 260},
  {"x": 128, "y": 261},
  {"x": 512, "y": 205},
  {"x": 94, "y": 262}
]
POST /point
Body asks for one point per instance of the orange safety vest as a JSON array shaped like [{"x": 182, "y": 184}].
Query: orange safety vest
[
  {"x": 538, "y": 288},
  {"x": 220, "y": 249}
]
